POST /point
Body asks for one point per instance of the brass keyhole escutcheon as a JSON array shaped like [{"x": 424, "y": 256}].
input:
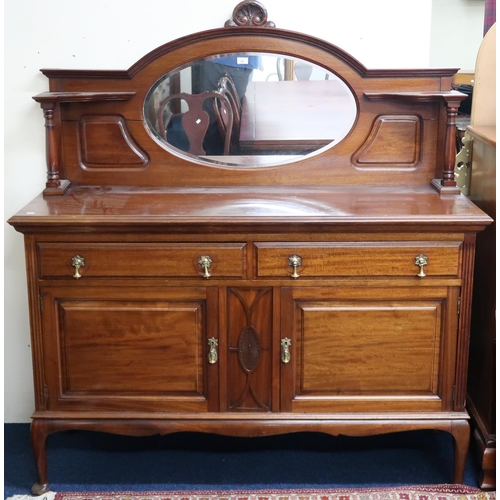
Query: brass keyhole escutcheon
[
  {"x": 285, "y": 350},
  {"x": 294, "y": 261},
  {"x": 77, "y": 262},
  {"x": 421, "y": 261},
  {"x": 205, "y": 262},
  {"x": 212, "y": 353}
]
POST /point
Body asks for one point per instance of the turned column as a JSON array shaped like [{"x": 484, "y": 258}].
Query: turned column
[
  {"x": 51, "y": 146},
  {"x": 54, "y": 184},
  {"x": 447, "y": 183},
  {"x": 448, "y": 179}
]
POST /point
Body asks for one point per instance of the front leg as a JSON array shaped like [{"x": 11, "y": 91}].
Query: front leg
[
  {"x": 460, "y": 431},
  {"x": 39, "y": 431}
]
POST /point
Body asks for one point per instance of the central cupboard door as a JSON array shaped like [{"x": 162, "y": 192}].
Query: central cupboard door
[
  {"x": 250, "y": 367},
  {"x": 368, "y": 349},
  {"x": 129, "y": 348}
]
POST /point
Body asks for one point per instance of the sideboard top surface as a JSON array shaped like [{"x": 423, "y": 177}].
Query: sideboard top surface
[{"x": 336, "y": 207}]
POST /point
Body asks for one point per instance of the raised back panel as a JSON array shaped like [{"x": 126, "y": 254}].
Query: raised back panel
[{"x": 401, "y": 132}]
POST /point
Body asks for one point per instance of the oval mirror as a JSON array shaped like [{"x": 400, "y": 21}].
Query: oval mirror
[{"x": 249, "y": 110}]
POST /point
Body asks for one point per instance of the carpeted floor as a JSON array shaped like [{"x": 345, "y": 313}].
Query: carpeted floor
[
  {"x": 433, "y": 492},
  {"x": 86, "y": 461}
]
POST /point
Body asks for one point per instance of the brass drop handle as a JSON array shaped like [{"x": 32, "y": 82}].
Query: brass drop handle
[
  {"x": 77, "y": 262},
  {"x": 294, "y": 261},
  {"x": 205, "y": 262},
  {"x": 421, "y": 261},
  {"x": 212, "y": 353},
  {"x": 285, "y": 350}
]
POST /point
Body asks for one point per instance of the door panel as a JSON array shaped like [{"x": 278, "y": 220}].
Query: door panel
[
  {"x": 131, "y": 347},
  {"x": 385, "y": 347},
  {"x": 364, "y": 350},
  {"x": 143, "y": 349}
]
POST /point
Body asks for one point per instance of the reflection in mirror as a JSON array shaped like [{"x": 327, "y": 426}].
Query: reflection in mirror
[{"x": 249, "y": 110}]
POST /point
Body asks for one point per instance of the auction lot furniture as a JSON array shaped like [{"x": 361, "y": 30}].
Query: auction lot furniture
[{"x": 325, "y": 292}]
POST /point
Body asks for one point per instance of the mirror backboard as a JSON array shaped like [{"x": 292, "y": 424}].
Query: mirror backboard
[{"x": 284, "y": 109}]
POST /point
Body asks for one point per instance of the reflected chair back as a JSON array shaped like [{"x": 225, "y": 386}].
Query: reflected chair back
[{"x": 196, "y": 121}]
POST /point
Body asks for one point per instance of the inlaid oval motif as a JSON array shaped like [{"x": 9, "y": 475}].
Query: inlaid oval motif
[{"x": 248, "y": 349}]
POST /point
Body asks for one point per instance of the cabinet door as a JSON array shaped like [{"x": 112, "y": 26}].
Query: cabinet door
[
  {"x": 368, "y": 349},
  {"x": 129, "y": 349},
  {"x": 249, "y": 354}
]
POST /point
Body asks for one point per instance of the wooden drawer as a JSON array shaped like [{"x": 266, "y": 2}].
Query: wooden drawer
[
  {"x": 339, "y": 259},
  {"x": 149, "y": 260}
]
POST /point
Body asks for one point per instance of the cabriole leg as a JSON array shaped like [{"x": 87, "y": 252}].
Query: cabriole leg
[
  {"x": 39, "y": 432},
  {"x": 460, "y": 431}
]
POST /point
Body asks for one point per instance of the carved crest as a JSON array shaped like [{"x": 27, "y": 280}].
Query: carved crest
[{"x": 249, "y": 13}]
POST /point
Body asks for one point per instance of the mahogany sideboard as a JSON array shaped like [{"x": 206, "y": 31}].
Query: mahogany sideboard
[{"x": 249, "y": 295}]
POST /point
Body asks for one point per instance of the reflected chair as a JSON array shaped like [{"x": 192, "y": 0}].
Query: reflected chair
[
  {"x": 227, "y": 88},
  {"x": 196, "y": 121},
  {"x": 226, "y": 84}
]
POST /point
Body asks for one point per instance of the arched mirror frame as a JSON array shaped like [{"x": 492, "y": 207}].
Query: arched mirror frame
[
  {"x": 289, "y": 133},
  {"x": 282, "y": 43},
  {"x": 402, "y": 134}
]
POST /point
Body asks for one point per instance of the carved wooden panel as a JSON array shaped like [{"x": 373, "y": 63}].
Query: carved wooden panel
[
  {"x": 105, "y": 142},
  {"x": 249, "y": 338},
  {"x": 394, "y": 142}
]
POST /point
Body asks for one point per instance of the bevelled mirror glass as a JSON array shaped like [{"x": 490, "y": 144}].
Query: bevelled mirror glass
[{"x": 249, "y": 110}]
